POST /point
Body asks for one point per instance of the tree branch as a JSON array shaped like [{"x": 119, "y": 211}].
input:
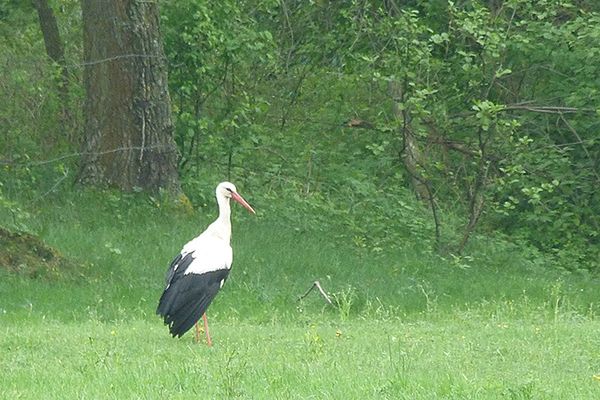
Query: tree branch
[
  {"x": 317, "y": 285},
  {"x": 585, "y": 150},
  {"x": 545, "y": 109}
]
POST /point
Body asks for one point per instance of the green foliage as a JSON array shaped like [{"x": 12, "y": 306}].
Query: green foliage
[
  {"x": 474, "y": 126},
  {"x": 34, "y": 128},
  {"x": 501, "y": 98},
  {"x": 18, "y": 215},
  {"x": 214, "y": 49}
]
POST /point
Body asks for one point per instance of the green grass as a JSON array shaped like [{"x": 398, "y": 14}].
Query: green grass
[
  {"x": 450, "y": 358},
  {"x": 409, "y": 324}
]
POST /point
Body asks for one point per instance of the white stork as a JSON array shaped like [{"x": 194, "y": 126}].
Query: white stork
[{"x": 200, "y": 270}]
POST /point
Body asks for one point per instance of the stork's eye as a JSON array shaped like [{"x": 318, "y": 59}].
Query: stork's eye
[{"x": 229, "y": 190}]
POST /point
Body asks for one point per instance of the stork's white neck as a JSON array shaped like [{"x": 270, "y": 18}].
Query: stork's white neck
[
  {"x": 222, "y": 225},
  {"x": 224, "y": 209}
]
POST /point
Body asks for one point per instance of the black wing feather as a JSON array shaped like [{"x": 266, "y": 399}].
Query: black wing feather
[
  {"x": 178, "y": 267},
  {"x": 187, "y": 296}
]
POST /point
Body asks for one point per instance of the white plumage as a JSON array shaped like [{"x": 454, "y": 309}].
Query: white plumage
[
  {"x": 216, "y": 254},
  {"x": 200, "y": 269}
]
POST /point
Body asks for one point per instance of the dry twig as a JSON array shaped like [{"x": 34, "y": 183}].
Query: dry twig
[{"x": 317, "y": 285}]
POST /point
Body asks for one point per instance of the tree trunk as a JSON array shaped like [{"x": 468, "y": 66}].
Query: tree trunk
[
  {"x": 128, "y": 130},
  {"x": 54, "y": 49},
  {"x": 411, "y": 155},
  {"x": 412, "y": 158}
]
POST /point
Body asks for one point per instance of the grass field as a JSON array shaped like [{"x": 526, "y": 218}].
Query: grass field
[{"x": 409, "y": 324}]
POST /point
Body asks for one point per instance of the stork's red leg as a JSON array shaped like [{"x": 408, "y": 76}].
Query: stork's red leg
[{"x": 208, "y": 340}]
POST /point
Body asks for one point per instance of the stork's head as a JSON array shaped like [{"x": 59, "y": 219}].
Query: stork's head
[{"x": 228, "y": 191}]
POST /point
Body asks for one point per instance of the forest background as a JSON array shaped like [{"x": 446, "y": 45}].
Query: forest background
[{"x": 486, "y": 111}]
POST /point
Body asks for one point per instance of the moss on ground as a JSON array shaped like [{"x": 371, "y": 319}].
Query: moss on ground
[{"x": 25, "y": 254}]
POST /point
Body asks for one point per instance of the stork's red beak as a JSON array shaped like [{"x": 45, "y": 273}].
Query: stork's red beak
[{"x": 243, "y": 202}]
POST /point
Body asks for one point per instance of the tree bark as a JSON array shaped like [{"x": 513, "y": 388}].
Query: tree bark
[
  {"x": 477, "y": 191},
  {"x": 54, "y": 48},
  {"x": 128, "y": 129},
  {"x": 411, "y": 155}
]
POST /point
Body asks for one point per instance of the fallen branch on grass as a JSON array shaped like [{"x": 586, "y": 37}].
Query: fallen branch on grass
[{"x": 317, "y": 285}]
